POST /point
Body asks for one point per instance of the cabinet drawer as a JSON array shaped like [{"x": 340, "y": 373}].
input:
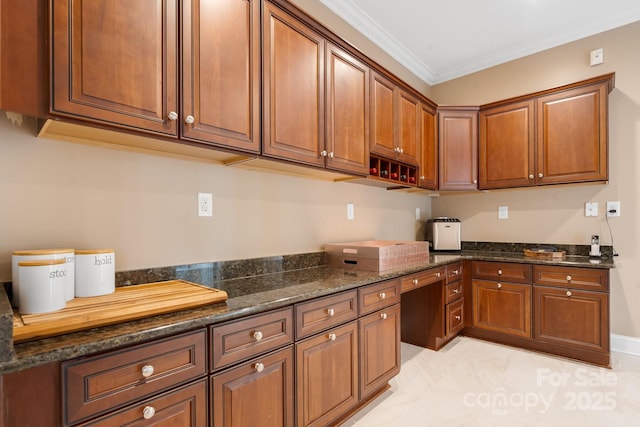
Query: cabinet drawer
[
  {"x": 502, "y": 271},
  {"x": 454, "y": 272},
  {"x": 593, "y": 279},
  {"x": 423, "y": 278},
  {"x": 322, "y": 313},
  {"x": 242, "y": 339},
  {"x": 97, "y": 384},
  {"x": 186, "y": 406},
  {"x": 455, "y": 317},
  {"x": 374, "y": 297},
  {"x": 453, "y": 291}
]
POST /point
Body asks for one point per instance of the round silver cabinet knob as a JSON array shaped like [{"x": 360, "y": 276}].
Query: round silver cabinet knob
[
  {"x": 531, "y": 176},
  {"x": 331, "y": 312},
  {"x": 568, "y": 293},
  {"x": 499, "y": 272},
  {"x": 540, "y": 175},
  {"x": 455, "y": 291},
  {"x": 438, "y": 274},
  {"x": 173, "y": 115},
  {"x": 383, "y": 316},
  {"x": 257, "y": 335},
  {"x": 568, "y": 278},
  {"x": 421, "y": 177},
  {"x": 414, "y": 281},
  {"x": 148, "y": 412},
  {"x": 332, "y": 336},
  {"x": 382, "y": 295},
  {"x": 458, "y": 318},
  {"x": 475, "y": 181},
  {"x": 330, "y": 155},
  {"x": 189, "y": 120},
  {"x": 147, "y": 371},
  {"x": 259, "y": 367},
  {"x": 499, "y": 285},
  {"x": 324, "y": 153}
]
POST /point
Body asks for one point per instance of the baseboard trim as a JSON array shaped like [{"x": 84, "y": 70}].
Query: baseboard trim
[{"x": 625, "y": 344}]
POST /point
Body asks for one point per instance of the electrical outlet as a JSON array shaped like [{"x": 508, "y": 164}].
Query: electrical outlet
[
  {"x": 205, "y": 204},
  {"x": 613, "y": 208},
  {"x": 591, "y": 209},
  {"x": 417, "y": 214},
  {"x": 350, "y": 211},
  {"x": 503, "y": 212},
  {"x": 596, "y": 57}
]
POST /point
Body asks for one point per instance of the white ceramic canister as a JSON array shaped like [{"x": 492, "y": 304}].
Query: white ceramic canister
[
  {"x": 95, "y": 272},
  {"x": 37, "y": 254},
  {"x": 42, "y": 285}
]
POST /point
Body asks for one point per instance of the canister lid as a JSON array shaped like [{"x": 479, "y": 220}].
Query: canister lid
[
  {"x": 93, "y": 251},
  {"x": 40, "y": 262},
  {"x": 42, "y": 252}
]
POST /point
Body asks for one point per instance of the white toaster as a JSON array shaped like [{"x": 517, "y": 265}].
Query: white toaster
[{"x": 443, "y": 234}]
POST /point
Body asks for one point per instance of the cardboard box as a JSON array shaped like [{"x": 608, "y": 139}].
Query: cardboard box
[{"x": 377, "y": 255}]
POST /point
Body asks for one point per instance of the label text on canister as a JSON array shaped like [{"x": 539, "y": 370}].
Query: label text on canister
[
  {"x": 57, "y": 273},
  {"x": 103, "y": 260}
]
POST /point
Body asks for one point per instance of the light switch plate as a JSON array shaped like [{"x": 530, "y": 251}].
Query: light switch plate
[{"x": 350, "y": 211}]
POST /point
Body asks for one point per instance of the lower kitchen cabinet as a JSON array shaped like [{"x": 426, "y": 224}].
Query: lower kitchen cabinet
[
  {"x": 256, "y": 393},
  {"x": 327, "y": 375},
  {"x": 502, "y": 307},
  {"x": 573, "y": 318},
  {"x": 379, "y": 334},
  {"x": 185, "y": 407}
]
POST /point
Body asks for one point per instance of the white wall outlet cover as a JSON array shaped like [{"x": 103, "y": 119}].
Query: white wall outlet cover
[
  {"x": 613, "y": 208},
  {"x": 503, "y": 212},
  {"x": 591, "y": 209},
  {"x": 596, "y": 57},
  {"x": 205, "y": 204}
]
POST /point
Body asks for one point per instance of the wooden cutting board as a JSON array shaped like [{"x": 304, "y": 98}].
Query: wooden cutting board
[{"x": 125, "y": 304}]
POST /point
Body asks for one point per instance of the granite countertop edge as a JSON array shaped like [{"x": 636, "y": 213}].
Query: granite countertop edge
[{"x": 285, "y": 289}]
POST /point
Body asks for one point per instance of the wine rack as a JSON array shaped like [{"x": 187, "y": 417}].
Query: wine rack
[{"x": 392, "y": 171}]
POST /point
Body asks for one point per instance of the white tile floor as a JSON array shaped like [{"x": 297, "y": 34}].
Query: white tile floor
[{"x": 476, "y": 383}]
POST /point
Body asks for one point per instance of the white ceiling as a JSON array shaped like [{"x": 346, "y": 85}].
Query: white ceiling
[{"x": 439, "y": 40}]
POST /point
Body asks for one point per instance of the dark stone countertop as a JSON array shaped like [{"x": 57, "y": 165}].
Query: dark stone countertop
[{"x": 246, "y": 296}]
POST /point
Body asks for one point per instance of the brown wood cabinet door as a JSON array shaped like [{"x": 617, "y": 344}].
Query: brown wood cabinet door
[
  {"x": 507, "y": 146},
  {"x": 186, "y": 407},
  {"x": 458, "y": 149},
  {"x": 327, "y": 375},
  {"x": 572, "y": 135},
  {"x": 428, "y": 148},
  {"x": 221, "y": 72},
  {"x": 115, "y": 62},
  {"x": 502, "y": 307},
  {"x": 257, "y": 393},
  {"x": 572, "y": 318},
  {"x": 383, "y": 141},
  {"x": 408, "y": 127},
  {"x": 293, "y": 76},
  {"x": 347, "y": 112},
  {"x": 379, "y": 348}
]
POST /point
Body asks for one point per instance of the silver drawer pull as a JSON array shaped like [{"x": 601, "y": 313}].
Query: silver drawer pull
[
  {"x": 499, "y": 272},
  {"x": 147, "y": 371},
  {"x": 257, "y": 335},
  {"x": 331, "y": 312},
  {"x": 458, "y": 318},
  {"x": 259, "y": 367},
  {"x": 499, "y": 285},
  {"x": 438, "y": 274},
  {"x": 148, "y": 412},
  {"x": 382, "y": 295},
  {"x": 568, "y": 293},
  {"x": 455, "y": 291},
  {"x": 568, "y": 278},
  {"x": 455, "y": 272},
  {"x": 383, "y": 316},
  {"x": 414, "y": 281},
  {"x": 332, "y": 336}
]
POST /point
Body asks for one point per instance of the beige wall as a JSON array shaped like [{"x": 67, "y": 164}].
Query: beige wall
[
  {"x": 61, "y": 194},
  {"x": 556, "y": 214}
]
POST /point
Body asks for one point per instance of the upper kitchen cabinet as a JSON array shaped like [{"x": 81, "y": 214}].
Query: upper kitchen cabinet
[
  {"x": 572, "y": 133},
  {"x": 458, "y": 148},
  {"x": 395, "y": 121},
  {"x": 115, "y": 62},
  {"x": 221, "y": 72},
  {"x": 428, "y": 147},
  {"x": 316, "y": 97},
  {"x": 347, "y": 113},
  {"x": 552, "y": 137},
  {"x": 507, "y": 145}
]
